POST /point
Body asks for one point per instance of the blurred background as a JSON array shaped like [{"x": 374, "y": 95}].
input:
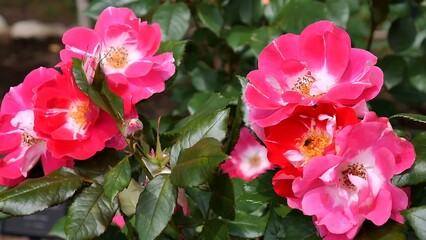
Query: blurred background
[
  {"x": 30, "y": 36},
  {"x": 225, "y": 38}
]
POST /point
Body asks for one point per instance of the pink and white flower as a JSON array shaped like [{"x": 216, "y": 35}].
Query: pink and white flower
[
  {"x": 308, "y": 133},
  {"x": 248, "y": 159},
  {"x": 71, "y": 124},
  {"x": 341, "y": 191},
  {"x": 316, "y": 66},
  {"x": 119, "y": 220},
  {"x": 125, "y": 47},
  {"x": 21, "y": 146}
]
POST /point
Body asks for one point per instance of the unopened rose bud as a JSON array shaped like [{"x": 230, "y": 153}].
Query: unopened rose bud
[{"x": 131, "y": 127}]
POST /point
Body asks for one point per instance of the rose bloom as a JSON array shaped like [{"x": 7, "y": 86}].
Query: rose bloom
[
  {"x": 72, "y": 125},
  {"x": 316, "y": 66},
  {"x": 125, "y": 47},
  {"x": 21, "y": 147},
  {"x": 308, "y": 133},
  {"x": 248, "y": 158},
  {"x": 341, "y": 191}
]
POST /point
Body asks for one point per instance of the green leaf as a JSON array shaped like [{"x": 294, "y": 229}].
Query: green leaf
[
  {"x": 275, "y": 228},
  {"x": 407, "y": 93},
  {"x": 417, "y": 73},
  {"x": 389, "y": 231},
  {"x": 197, "y": 101},
  {"x": 282, "y": 210},
  {"x": 4, "y": 216},
  {"x": 234, "y": 133},
  {"x": 176, "y": 47},
  {"x": 411, "y": 116},
  {"x": 273, "y": 8},
  {"x": 260, "y": 190},
  {"x": 247, "y": 226},
  {"x": 58, "y": 229},
  {"x": 96, "y": 167},
  {"x": 393, "y": 67},
  {"x": 250, "y": 11},
  {"x": 298, "y": 226},
  {"x": 35, "y": 195},
  {"x": 140, "y": 8},
  {"x": 209, "y": 121},
  {"x": 417, "y": 219},
  {"x": 423, "y": 46},
  {"x": 113, "y": 103},
  {"x": 204, "y": 78},
  {"x": 222, "y": 201},
  {"x": 338, "y": 12},
  {"x": 402, "y": 33},
  {"x": 173, "y": 19},
  {"x": 99, "y": 91},
  {"x": 261, "y": 37},
  {"x": 210, "y": 16},
  {"x": 214, "y": 229},
  {"x": 129, "y": 198},
  {"x": 201, "y": 199},
  {"x": 83, "y": 84},
  {"x": 117, "y": 178},
  {"x": 80, "y": 76},
  {"x": 215, "y": 103},
  {"x": 257, "y": 195},
  {"x": 417, "y": 173},
  {"x": 238, "y": 37},
  {"x": 155, "y": 207},
  {"x": 244, "y": 82},
  {"x": 297, "y": 14},
  {"x": 90, "y": 214},
  {"x": 201, "y": 160}
]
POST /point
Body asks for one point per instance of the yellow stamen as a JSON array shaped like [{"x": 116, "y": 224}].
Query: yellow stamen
[
  {"x": 29, "y": 140},
  {"x": 313, "y": 144},
  {"x": 116, "y": 57},
  {"x": 78, "y": 112},
  {"x": 355, "y": 169},
  {"x": 255, "y": 161},
  {"x": 303, "y": 86}
]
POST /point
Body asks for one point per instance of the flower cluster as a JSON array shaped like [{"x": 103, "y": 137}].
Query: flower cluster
[
  {"x": 307, "y": 102},
  {"x": 49, "y": 117}
]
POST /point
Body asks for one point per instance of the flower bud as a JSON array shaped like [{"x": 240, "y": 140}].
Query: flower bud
[{"x": 131, "y": 127}]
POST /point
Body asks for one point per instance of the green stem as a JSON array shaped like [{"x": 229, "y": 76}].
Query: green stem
[
  {"x": 137, "y": 152},
  {"x": 139, "y": 157},
  {"x": 373, "y": 27}
]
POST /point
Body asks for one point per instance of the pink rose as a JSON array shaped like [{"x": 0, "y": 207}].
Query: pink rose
[
  {"x": 125, "y": 47},
  {"x": 317, "y": 66},
  {"x": 70, "y": 123},
  {"x": 308, "y": 133},
  {"x": 21, "y": 147},
  {"x": 248, "y": 159},
  {"x": 341, "y": 191}
]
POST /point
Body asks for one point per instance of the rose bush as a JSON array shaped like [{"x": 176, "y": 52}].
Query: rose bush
[{"x": 295, "y": 150}]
